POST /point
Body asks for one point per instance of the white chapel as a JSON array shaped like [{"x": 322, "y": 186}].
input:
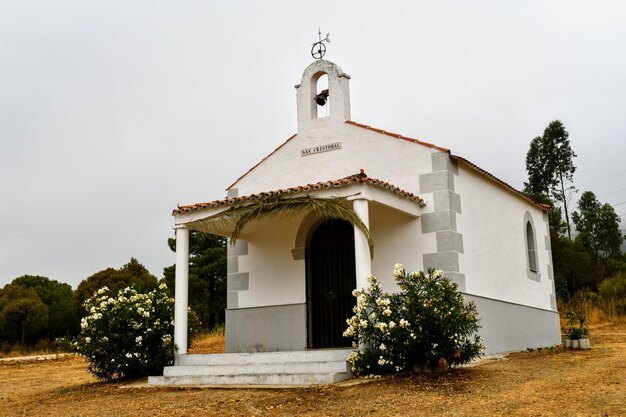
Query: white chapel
[{"x": 290, "y": 279}]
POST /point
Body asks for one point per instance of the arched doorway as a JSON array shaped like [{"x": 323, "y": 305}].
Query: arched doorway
[{"x": 331, "y": 277}]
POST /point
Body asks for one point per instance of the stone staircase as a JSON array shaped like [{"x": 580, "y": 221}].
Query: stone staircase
[{"x": 309, "y": 367}]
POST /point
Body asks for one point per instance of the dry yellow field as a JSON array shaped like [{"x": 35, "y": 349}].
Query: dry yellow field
[{"x": 551, "y": 382}]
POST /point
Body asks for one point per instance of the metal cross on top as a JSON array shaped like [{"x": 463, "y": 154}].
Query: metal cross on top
[{"x": 319, "y": 49}]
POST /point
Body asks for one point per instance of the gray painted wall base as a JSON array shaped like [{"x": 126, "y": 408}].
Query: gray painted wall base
[
  {"x": 507, "y": 327},
  {"x": 266, "y": 329}
]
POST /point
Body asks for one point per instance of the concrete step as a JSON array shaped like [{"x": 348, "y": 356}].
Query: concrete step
[
  {"x": 265, "y": 357},
  {"x": 259, "y": 368},
  {"x": 252, "y": 379},
  {"x": 309, "y": 367}
]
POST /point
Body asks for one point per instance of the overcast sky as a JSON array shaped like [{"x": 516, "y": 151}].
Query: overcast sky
[{"x": 114, "y": 112}]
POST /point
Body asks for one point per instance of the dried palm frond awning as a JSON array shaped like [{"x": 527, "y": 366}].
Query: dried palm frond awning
[{"x": 282, "y": 203}]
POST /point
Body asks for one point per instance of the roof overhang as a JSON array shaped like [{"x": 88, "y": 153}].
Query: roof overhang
[{"x": 219, "y": 217}]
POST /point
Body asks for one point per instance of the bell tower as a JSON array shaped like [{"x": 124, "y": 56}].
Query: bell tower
[{"x": 312, "y": 98}]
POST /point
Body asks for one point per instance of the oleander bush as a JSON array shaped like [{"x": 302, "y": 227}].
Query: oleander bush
[
  {"x": 129, "y": 334},
  {"x": 427, "y": 324}
]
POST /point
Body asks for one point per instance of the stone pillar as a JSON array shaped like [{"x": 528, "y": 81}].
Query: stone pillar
[
  {"x": 362, "y": 255},
  {"x": 181, "y": 296}
]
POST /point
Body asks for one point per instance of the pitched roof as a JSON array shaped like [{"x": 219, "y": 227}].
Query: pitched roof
[
  {"x": 498, "y": 180},
  {"x": 360, "y": 178},
  {"x": 420, "y": 142},
  {"x": 396, "y": 135},
  {"x": 457, "y": 158},
  {"x": 261, "y": 161}
]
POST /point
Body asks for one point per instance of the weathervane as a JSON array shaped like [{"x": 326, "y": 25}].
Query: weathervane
[{"x": 319, "y": 49}]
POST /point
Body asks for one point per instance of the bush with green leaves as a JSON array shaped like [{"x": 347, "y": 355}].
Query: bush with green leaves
[
  {"x": 426, "y": 324},
  {"x": 128, "y": 334},
  {"x": 613, "y": 288}
]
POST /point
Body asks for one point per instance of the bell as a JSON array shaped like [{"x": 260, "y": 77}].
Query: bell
[{"x": 321, "y": 98}]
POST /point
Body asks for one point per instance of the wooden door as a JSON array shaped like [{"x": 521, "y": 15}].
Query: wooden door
[{"x": 330, "y": 281}]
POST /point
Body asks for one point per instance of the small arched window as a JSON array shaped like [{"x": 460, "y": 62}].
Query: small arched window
[{"x": 530, "y": 246}]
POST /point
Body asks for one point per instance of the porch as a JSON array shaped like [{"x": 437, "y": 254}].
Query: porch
[{"x": 288, "y": 296}]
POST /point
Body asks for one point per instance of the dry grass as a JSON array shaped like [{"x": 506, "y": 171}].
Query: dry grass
[
  {"x": 549, "y": 382},
  {"x": 209, "y": 342},
  {"x": 42, "y": 347}
]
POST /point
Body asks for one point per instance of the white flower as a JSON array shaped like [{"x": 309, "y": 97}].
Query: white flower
[
  {"x": 387, "y": 312},
  {"x": 363, "y": 324},
  {"x": 88, "y": 339},
  {"x": 404, "y": 323},
  {"x": 438, "y": 273},
  {"x": 361, "y": 299},
  {"x": 373, "y": 315},
  {"x": 138, "y": 339},
  {"x": 398, "y": 270},
  {"x": 355, "y": 293},
  {"x": 381, "y": 325},
  {"x": 382, "y": 347},
  {"x": 381, "y": 361},
  {"x": 163, "y": 286},
  {"x": 392, "y": 324}
]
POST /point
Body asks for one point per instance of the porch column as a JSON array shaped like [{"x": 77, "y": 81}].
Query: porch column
[
  {"x": 362, "y": 256},
  {"x": 181, "y": 295}
]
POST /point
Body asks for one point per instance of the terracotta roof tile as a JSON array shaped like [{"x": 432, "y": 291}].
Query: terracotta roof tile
[
  {"x": 396, "y": 135},
  {"x": 359, "y": 178},
  {"x": 259, "y": 163},
  {"x": 499, "y": 181},
  {"x": 347, "y": 180}
]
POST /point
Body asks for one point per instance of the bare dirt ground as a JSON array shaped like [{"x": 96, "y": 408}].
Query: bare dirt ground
[{"x": 550, "y": 382}]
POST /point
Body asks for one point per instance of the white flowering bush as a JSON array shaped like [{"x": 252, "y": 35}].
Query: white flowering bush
[
  {"x": 128, "y": 335},
  {"x": 426, "y": 324}
]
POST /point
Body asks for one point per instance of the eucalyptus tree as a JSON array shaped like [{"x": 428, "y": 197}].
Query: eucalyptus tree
[
  {"x": 598, "y": 226},
  {"x": 550, "y": 167}
]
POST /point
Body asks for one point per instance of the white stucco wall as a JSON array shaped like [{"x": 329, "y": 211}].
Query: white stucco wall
[
  {"x": 494, "y": 239},
  {"x": 398, "y": 239},
  {"x": 275, "y": 278},
  {"x": 393, "y": 160}
]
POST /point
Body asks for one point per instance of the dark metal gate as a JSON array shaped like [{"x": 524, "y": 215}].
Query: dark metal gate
[{"x": 330, "y": 280}]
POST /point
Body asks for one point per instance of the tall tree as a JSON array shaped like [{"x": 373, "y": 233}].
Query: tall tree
[
  {"x": 207, "y": 276},
  {"x": 597, "y": 226},
  {"x": 133, "y": 274},
  {"x": 57, "y": 297},
  {"x": 22, "y": 314},
  {"x": 550, "y": 167}
]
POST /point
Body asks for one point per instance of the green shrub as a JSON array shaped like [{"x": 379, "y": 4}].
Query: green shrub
[
  {"x": 613, "y": 293},
  {"x": 128, "y": 335},
  {"x": 427, "y": 324},
  {"x": 614, "y": 287}
]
